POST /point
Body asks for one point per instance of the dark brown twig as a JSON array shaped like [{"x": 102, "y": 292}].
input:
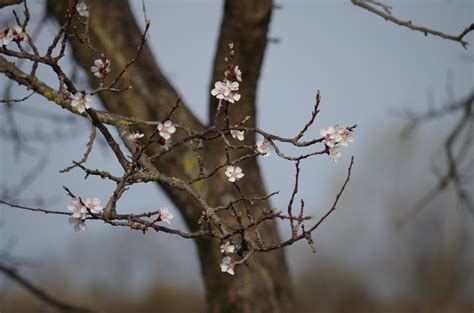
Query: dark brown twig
[{"x": 388, "y": 17}]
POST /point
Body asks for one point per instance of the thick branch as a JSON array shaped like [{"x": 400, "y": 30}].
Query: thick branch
[{"x": 4, "y": 3}]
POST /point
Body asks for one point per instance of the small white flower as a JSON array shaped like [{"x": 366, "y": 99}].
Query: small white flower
[
  {"x": 238, "y": 73},
  {"x": 82, "y": 101},
  {"x": 94, "y": 205},
  {"x": 331, "y": 136},
  {"x": 346, "y": 137},
  {"x": 82, "y": 9},
  {"x": 238, "y": 134},
  {"x": 220, "y": 90},
  {"x": 263, "y": 147},
  {"x": 227, "y": 248},
  {"x": 78, "y": 224},
  {"x": 100, "y": 68},
  {"x": 234, "y": 173},
  {"x": 135, "y": 137},
  {"x": 166, "y": 215},
  {"x": 227, "y": 265},
  {"x": 166, "y": 129},
  {"x": 78, "y": 210},
  {"x": 334, "y": 153}
]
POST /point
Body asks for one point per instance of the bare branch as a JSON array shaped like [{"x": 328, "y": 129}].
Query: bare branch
[
  {"x": 40, "y": 293},
  {"x": 388, "y": 17}
]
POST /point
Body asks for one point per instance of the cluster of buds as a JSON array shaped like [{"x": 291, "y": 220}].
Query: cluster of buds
[
  {"x": 226, "y": 91},
  {"x": 14, "y": 33},
  {"x": 335, "y": 137}
]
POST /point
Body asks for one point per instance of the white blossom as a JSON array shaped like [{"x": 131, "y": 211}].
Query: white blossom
[
  {"x": 234, "y": 173},
  {"x": 346, "y": 137},
  {"x": 78, "y": 210},
  {"x": 220, "y": 90},
  {"x": 135, "y": 137},
  {"x": 238, "y": 73},
  {"x": 81, "y": 101},
  {"x": 334, "y": 153},
  {"x": 166, "y": 129},
  {"x": 100, "y": 68},
  {"x": 78, "y": 224},
  {"x": 82, "y": 9},
  {"x": 263, "y": 147},
  {"x": 94, "y": 205},
  {"x": 334, "y": 137},
  {"x": 14, "y": 33},
  {"x": 238, "y": 134},
  {"x": 331, "y": 136},
  {"x": 227, "y": 265},
  {"x": 227, "y": 247},
  {"x": 166, "y": 215}
]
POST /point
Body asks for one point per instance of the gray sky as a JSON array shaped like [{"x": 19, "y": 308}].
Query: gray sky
[{"x": 366, "y": 69}]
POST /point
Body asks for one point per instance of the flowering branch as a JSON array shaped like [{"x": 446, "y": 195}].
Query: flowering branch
[{"x": 223, "y": 154}]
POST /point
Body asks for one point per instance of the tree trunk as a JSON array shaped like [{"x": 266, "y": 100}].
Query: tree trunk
[{"x": 264, "y": 285}]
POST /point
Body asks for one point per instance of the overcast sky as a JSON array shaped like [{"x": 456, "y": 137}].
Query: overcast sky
[{"x": 366, "y": 69}]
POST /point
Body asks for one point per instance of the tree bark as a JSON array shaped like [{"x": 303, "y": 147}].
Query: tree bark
[{"x": 264, "y": 285}]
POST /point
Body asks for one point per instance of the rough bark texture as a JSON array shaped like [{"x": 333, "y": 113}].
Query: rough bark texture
[{"x": 263, "y": 286}]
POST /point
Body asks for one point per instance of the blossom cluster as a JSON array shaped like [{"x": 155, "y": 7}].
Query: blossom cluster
[
  {"x": 335, "y": 137},
  {"x": 80, "y": 209},
  {"x": 227, "y": 90},
  {"x": 227, "y": 264},
  {"x": 14, "y": 33},
  {"x": 82, "y": 100}
]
